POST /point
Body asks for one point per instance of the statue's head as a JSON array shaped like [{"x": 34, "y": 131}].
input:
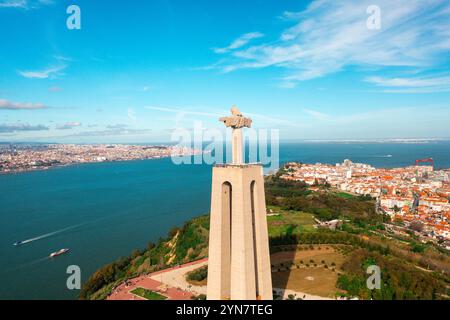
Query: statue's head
[{"x": 235, "y": 111}]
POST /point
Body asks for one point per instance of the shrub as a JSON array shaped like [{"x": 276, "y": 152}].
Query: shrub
[{"x": 199, "y": 274}]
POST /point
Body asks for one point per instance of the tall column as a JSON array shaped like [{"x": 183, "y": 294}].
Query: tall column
[
  {"x": 219, "y": 264},
  {"x": 262, "y": 263},
  {"x": 243, "y": 286},
  {"x": 237, "y": 147}
]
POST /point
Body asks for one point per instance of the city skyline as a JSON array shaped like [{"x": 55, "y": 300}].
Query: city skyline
[{"x": 313, "y": 69}]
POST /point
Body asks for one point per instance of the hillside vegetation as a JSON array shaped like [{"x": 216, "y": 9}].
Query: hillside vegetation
[
  {"x": 295, "y": 195},
  {"x": 188, "y": 243}
]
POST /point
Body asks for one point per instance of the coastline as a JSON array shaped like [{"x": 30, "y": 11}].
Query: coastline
[
  {"x": 19, "y": 159},
  {"x": 59, "y": 166}
]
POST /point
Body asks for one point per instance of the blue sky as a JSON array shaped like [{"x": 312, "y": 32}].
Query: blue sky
[{"x": 138, "y": 69}]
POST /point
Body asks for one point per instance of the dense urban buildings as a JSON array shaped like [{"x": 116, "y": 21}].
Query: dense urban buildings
[
  {"x": 16, "y": 158},
  {"x": 417, "y": 195}
]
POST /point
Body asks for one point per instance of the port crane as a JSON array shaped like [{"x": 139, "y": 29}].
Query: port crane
[{"x": 428, "y": 160}]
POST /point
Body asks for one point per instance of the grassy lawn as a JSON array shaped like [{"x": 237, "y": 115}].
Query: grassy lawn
[
  {"x": 326, "y": 253},
  {"x": 148, "y": 294},
  {"x": 290, "y": 222},
  {"x": 345, "y": 195},
  {"x": 317, "y": 281}
]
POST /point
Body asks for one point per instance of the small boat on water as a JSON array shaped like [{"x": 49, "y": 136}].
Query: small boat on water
[
  {"x": 58, "y": 253},
  {"x": 18, "y": 243}
]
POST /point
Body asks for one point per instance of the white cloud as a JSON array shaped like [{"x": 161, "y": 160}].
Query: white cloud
[
  {"x": 10, "y": 128},
  {"x": 379, "y": 123},
  {"x": 25, "y": 4},
  {"x": 413, "y": 85},
  {"x": 182, "y": 112},
  {"x": 117, "y": 126},
  {"x": 13, "y": 4},
  {"x": 131, "y": 114},
  {"x": 68, "y": 125},
  {"x": 317, "y": 115},
  {"x": 110, "y": 132},
  {"x": 239, "y": 42},
  {"x": 330, "y": 36},
  {"x": 63, "y": 58},
  {"x": 43, "y": 74},
  {"x": 6, "y": 104},
  {"x": 55, "y": 89}
]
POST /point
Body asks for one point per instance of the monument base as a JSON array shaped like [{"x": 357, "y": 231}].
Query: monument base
[{"x": 239, "y": 260}]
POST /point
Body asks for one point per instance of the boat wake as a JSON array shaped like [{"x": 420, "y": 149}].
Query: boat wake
[
  {"x": 25, "y": 265},
  {"x": 385, "y": 156},
  {"x": 47, "y": 235}
]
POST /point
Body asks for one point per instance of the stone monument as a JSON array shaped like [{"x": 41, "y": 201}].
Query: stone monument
[{"x": 239, "y": 260}]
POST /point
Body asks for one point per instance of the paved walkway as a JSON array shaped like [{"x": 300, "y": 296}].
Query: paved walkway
[
  {"x": 176, "y": 277},
  {"x": 166, "y": 287},
  {"x": 172, "y": 283}
]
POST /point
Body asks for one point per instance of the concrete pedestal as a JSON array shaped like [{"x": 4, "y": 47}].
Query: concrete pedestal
[{"x": 239, "y": 261}]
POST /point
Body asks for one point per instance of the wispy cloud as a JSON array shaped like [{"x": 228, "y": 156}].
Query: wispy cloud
[
  {"x": 239, "y": 42},
  {"x": 68, "y": 125},
  {"x": 181, "y": 113},
  {"x": 330, "y": 36},
  {"x": 317, "y": 115},
  {"x": 109, "y": 132},
  {"x": 146, "y": 88},
  {"x": 42, "y": 74},
  {"x": 63, "y": 58},
  {"x": 25, "y": 4},
  {"x": 13, "y": 4},
  {"x": 185, "y": 111},
  {"x": 217, "y": 113},
  {"x": 55, "y": 89},
  {"x": 394, "y": 122},
  {"x": 10, "y": 128},
  {"x": 413, "y": 84},
  {"x": 9, "y": 105},
  {"x": 131, "y": 114},
  {"x": 117, "y": 126}
]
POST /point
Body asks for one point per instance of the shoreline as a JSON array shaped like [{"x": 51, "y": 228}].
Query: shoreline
[
  {"x": 59, "y": 166},
  {"x": 27, "y": 159}
]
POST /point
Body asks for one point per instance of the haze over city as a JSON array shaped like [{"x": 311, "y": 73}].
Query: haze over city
[{"x": 310, "y": 68}]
